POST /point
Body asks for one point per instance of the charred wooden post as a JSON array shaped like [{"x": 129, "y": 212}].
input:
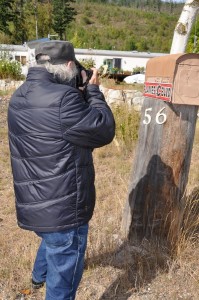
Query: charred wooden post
[{"x": 158, "y": 182}]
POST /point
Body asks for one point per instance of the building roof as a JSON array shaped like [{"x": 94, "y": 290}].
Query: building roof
[
  {"x": 6, "y": 47},
  {"x": 118, "y": 53},
  {"x": 96, "y": 52}
]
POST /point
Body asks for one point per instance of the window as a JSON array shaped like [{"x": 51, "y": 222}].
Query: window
[
  {"x": 21, "y": 59},
  {"x": 117, "y": 63},
  {"x": 108, "y": 62},
  {"x": 17, "y": 58}
]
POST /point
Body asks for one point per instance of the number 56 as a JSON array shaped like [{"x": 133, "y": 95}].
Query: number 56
[{"x": 160, "y": 116}]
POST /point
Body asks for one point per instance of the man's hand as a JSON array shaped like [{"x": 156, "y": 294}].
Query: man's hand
[
  {"x": 94, "y": 79},
  {"x": 84, "y": 78}
]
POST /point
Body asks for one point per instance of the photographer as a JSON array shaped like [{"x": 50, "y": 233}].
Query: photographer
[{"x": 54, "y": 125}]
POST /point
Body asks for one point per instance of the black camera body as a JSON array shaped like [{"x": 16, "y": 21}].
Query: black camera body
[{"x": 79, "y": 79}]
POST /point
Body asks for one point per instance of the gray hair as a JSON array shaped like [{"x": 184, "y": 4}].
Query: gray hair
[{"x": 62, "y": 71}]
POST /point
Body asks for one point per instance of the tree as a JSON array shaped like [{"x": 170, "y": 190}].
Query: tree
[
  {"x": 6, "y": 15},
  {"x": 63, "y": 14},
  {"x": 159, "y": 4},
  {"x": 184, "y": 26},
  {"x": 20, "y": 30},
  {"x": 39, "y": 21},
  {"x": 77, "y": 43}
]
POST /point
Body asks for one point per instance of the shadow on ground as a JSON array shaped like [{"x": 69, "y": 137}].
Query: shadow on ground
[
  {"x": 141, "y": 262},
  {"x": 139, "y": 265}
]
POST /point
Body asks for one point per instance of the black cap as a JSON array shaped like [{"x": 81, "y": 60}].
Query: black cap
[{"x": 58, "y": 51}]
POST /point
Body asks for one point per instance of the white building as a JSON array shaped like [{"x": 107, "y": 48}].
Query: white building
[
  {"x": 15, "y": 52},
  {"x": 124, "y": 60}
]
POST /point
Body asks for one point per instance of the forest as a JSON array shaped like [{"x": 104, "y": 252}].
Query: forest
[{"x": 131, "y": 25}]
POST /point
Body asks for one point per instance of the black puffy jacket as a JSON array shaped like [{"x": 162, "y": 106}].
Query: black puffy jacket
[{"x": 52, "y": 132}]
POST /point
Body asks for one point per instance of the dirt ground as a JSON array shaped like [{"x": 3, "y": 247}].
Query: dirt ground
[{"x": 114, "y": 270}]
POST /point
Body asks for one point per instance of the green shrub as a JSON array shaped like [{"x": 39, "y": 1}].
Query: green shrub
[
  {"x": 138, "y": 70},
  {"x": 86, "y": 20},
  {"x": 127, "y": 124},
  {"x": 10, "y": 69},
  {"x": 87, "y": 63}
]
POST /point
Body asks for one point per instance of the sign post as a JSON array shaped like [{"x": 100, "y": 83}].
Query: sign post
[{"x": 158, "y": 182}]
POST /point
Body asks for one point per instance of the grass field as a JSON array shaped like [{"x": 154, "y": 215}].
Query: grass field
[{"x": 114, "y": 269}]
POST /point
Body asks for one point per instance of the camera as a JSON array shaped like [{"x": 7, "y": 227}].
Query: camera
[{"x": 79, "y": 79}]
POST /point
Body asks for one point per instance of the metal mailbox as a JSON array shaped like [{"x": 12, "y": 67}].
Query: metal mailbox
[{"x": 173, "y": 78}]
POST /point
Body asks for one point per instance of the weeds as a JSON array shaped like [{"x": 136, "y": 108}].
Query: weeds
[
  {"x": 114, "y": 269},
  {"x": 190, "y": 226},
  {"x": 4, "y": 93},
  {"x": 10, "y": 69},
  {"x": 127, "y": 124}
]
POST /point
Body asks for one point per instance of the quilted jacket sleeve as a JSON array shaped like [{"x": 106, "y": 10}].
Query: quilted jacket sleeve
[{"x": 87, "y": 124}]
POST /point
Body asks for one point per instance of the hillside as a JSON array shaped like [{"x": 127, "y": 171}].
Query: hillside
[
  {"x": 123, "y": 28},
  {"x": 144, "y": 25}
]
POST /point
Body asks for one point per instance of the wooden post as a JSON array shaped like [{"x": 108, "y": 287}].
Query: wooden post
[{"x": 158, "y": 182}]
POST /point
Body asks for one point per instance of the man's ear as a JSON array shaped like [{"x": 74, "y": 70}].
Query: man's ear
[{"x": 69, "y": 63}]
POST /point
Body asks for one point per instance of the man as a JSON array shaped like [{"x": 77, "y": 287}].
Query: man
[{"x": 53, "y": 128}]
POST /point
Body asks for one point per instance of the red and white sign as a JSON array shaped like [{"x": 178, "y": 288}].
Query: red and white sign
[{"x": 161, "y": 91}]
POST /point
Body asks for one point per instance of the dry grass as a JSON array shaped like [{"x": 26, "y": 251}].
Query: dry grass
[
  {"x": 113, "y": 84},
  {"x": 114, "y": 269}
]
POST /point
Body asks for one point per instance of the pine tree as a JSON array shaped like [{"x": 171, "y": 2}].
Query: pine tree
[
  {"x": 20, "y": 30},
  {"x": 63, "y": 14},
  {"x": 6, "y": 15}
]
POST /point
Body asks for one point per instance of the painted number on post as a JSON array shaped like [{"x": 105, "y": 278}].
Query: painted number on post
[{"x": 160, "y": 117}]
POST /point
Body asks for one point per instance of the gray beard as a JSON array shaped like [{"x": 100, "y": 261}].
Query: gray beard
[{"x": 68, "y": 74}]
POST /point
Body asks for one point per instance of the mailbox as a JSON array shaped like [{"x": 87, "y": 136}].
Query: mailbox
[{"x": 173, "y": 78}]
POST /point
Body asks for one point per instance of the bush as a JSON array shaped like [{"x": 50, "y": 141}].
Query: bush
[
  {"x": 10, "y": 70},
  {"x": 138, "y": 70},
  {"x": 127, "y": 124},
  {"x": 87, "y": 63},
  {"x": 86, "y": 20}
]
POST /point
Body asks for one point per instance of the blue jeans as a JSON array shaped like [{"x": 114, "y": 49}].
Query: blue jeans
[{"x": 60, "y": 262}]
